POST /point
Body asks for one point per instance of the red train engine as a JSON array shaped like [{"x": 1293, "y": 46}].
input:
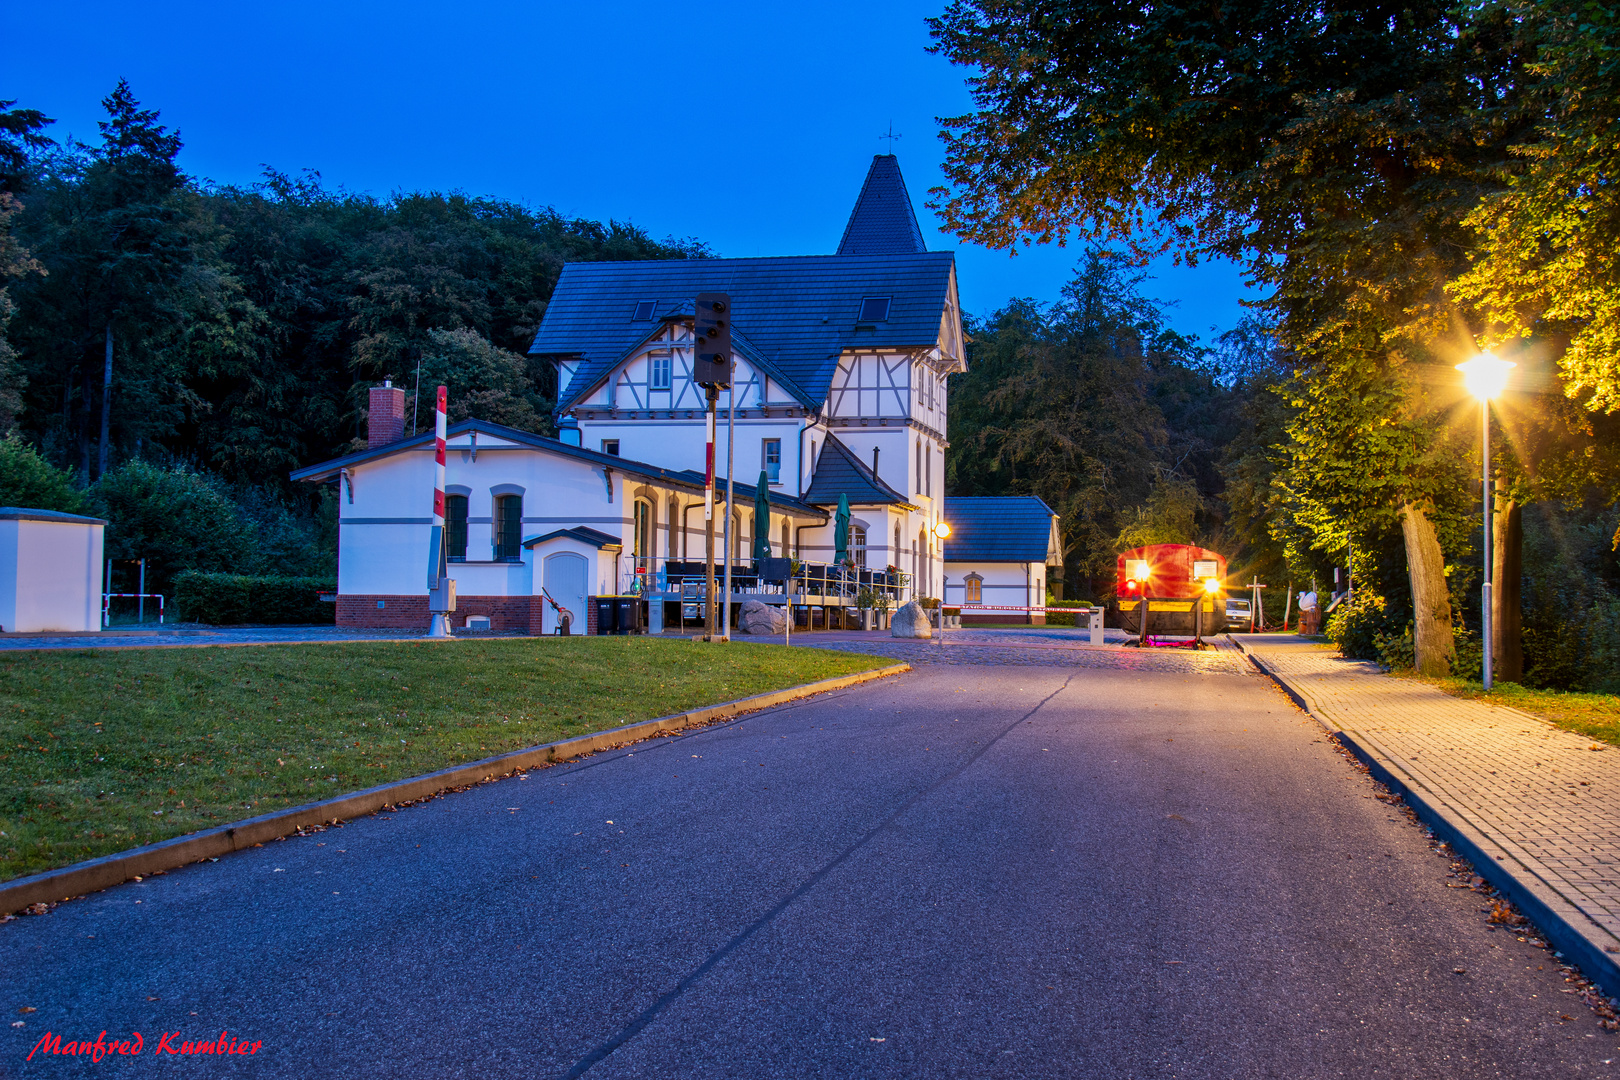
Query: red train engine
[{"x": 1177, "y": 581}]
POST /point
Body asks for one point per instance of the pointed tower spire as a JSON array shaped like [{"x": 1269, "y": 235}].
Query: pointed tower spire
[{"x": 883, "y": 222}]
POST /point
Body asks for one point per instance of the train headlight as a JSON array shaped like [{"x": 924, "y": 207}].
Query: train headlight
[{"x": 1212, "y": 585}]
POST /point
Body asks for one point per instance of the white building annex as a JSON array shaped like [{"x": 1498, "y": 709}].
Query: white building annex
[
  {"x": 997, "y": 557},
  {"x": 840, "y": 390}
]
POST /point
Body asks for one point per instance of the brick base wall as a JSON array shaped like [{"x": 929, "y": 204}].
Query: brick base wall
[{"x": 507, "y": 614}]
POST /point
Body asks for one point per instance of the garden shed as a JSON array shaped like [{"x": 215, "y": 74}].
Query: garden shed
[{"x": 50, "y": 571}]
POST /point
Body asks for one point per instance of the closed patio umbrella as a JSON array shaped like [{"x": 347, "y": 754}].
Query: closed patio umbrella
[
  {"x": 841, "y": 531},
  {"x": 762, "y": 518}
]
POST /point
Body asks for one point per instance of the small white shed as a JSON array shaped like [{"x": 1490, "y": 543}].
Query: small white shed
[{"x": 50, "y": 571}]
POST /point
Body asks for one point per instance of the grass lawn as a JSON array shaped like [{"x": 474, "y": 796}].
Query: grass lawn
[
  {"x": 103, "y": 750},
  {"x": 1596, "y": 716}
]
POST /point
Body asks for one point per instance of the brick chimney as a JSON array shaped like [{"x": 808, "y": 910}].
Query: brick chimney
[{"x": 385, "y": 423}]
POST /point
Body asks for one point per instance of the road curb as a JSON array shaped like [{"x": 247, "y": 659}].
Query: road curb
[
  {"x": 109, "y": 870},
  {"x": 1565, "y": 925}
]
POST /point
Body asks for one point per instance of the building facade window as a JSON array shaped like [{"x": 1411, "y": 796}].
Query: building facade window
[
  {"x": 508, "y": 528},
  {"x": 857, "y": 546},
  {"x": 642, "y": 540},
  {"x": 455, "y": 527},
  {"x": 973, "y": 589},
  {"x": 610, "y": 446},
  {"x": 773, "y": 460},
  {"x": 659, "y": 375},
  {"x": 786, "y": 550}
]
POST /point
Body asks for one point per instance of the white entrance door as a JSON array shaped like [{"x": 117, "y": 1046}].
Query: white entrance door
[{"x": 565, "y": 577}]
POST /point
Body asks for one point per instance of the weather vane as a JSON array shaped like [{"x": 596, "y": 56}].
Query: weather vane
[{"x": 891, "y": 136}]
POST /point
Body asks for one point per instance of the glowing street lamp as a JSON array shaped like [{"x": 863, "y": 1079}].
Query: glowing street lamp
[
  {"x": 1486, "y": 377},
  {"x": 942, "y": 530}
]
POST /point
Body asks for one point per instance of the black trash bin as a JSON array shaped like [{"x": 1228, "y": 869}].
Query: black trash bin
[
  {"x": 606, "y": 613},
  {"x": 627, "y": 615}
]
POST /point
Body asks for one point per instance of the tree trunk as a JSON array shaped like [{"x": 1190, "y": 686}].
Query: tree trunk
[
  {"x": 84, "y": 425},
  {"x": 1431, "y": 599},
  {"x": 1507, "y": 587},
  {"x": 106, "y": 404}
]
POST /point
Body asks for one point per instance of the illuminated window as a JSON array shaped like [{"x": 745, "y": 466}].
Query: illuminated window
[
  {"x": 643, "y": 538},
  {"x": 973, "y": 589}
]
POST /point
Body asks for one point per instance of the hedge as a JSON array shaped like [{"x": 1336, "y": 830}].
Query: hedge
[{"x": 222, "y": 599}]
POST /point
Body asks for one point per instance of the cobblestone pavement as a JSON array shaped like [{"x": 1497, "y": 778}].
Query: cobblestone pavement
[
  {"x": 1035, "y": 647},
  {"x": 1549, "y": 798}
]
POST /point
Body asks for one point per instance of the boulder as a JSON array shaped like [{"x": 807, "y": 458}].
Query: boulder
[
  {"x": 758, "y": 618},
  {"x": 911, "y": 621}
]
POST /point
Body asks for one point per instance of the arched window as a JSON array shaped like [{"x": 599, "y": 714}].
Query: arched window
[
  {"x": 642, "y": 537},
  {"x": 896, "y": 560},
  {"x": 857, "y": 546},
  {"x": 455, "y": 526},
  {"x": 923, "y": 582},
  {"x": 786, "y": 535},
  {"x": 508, "y": 528},
  {"x": 674, "y": 520},
  {"x": 973, "y": 589}
]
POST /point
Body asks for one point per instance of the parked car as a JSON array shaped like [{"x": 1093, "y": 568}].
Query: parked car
[{"x": 1237, "y": 614}]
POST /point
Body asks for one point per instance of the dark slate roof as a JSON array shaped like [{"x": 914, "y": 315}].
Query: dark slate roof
[
  {"x": 883, "y": 222},
  {"x": 1005, "y": 529},
  {"x": 328, "y": 470},
  {"x": 581, "y": 533},
  {"x": 798, "y": 313},
  {"x": 840, "y": 472},
  {"x": 23, "y": 513}
]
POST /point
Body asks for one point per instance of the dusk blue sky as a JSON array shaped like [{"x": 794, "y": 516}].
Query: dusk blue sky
[{"x": 603, "y": 110}]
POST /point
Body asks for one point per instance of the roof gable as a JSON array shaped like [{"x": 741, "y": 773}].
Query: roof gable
[
  {"x": 883, "y": 221},
  {"x": 840, "y": 472},
  {"x": 1000, "y": 529},
  {"x": 330, "y": 470}
]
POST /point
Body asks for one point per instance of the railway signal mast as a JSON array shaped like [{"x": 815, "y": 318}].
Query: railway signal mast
[{"x": 711, "y": 369}]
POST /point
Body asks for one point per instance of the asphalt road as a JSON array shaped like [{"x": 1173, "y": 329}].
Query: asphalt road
[{"x": 969, "y": 871}]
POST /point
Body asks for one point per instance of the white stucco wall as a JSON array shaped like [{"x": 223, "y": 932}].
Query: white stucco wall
[
  {"x": 1020, "y": 584},
  {"x": 50, "y": 575},
  {"x": 383, "y": 534}
]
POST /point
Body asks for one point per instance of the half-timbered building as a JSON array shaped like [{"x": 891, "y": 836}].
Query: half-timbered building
[{"x": 839, "y": 394}]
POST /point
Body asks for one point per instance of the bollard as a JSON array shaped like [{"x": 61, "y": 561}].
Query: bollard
[{"x": 1096, "y": 623}]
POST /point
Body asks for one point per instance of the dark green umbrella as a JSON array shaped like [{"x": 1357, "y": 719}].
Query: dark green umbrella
[
  {"x": 841, "y": 531},
  {"x": 762, "y": 518}
]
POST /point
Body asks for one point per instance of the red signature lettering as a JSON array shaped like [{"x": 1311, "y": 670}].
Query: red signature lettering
[{"x": 169, "y": 1043}]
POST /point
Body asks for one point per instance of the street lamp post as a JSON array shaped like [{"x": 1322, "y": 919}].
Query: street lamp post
[
  {"x": 942, "y": 530},
  {"x": 1486, "y": 377}
]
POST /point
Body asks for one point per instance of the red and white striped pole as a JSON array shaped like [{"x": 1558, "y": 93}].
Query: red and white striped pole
[
  {"x": 440, "y": 603},
  {"x": 438, "y": 458}
]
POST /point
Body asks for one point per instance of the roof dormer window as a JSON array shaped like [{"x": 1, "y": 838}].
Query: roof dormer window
[
  {"x": 644, "y": 310},
  {"x": 874, "y": 309}
]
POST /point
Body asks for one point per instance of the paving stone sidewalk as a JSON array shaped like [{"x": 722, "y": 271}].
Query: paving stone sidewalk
[{"x": 1543, "y": 803}]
